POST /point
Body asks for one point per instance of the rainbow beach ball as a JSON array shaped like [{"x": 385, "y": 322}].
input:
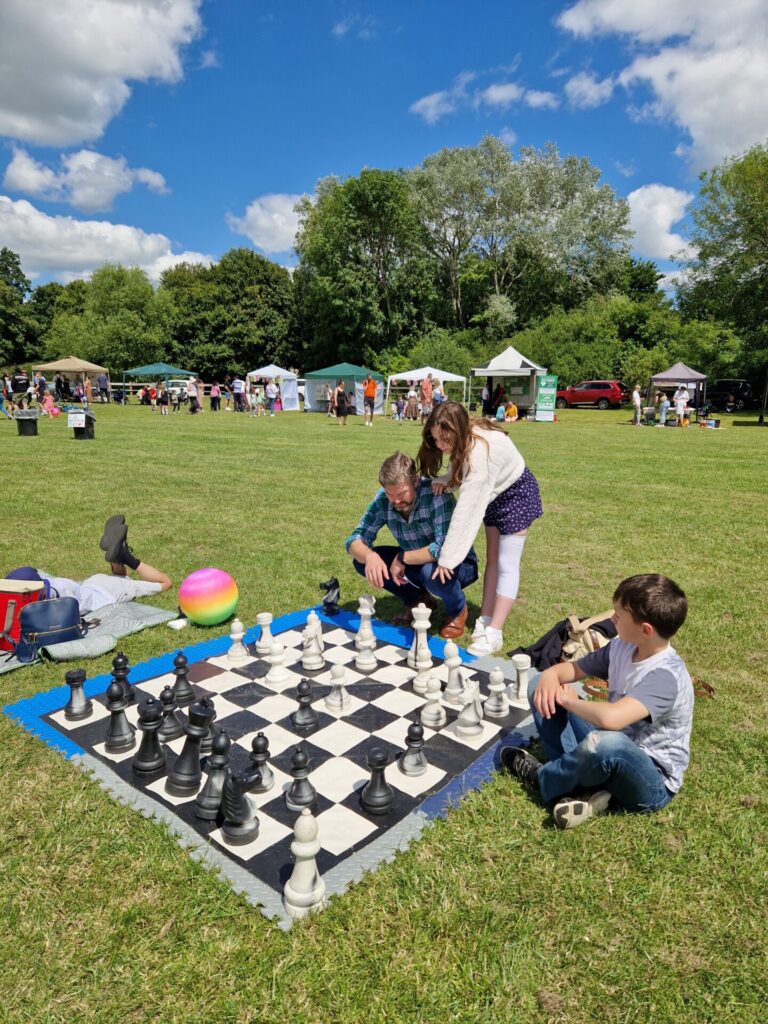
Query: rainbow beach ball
[{"x": 208, "y": 596}]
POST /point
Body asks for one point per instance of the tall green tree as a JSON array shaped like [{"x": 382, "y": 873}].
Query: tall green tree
[
  {"x": 18, "y": 329},
  {"x": 365, "y": 280},
  {"x": 727, "y": 277}
]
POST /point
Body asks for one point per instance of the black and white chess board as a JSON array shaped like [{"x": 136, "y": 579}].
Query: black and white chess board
[{"x": 383, "y": 705}]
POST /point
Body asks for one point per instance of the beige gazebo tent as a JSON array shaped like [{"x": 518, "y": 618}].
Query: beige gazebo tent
[{"x": 71, "y": 365}]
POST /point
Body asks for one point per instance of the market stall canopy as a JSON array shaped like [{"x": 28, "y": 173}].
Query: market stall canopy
[
  {"x": 422, "y": 373},
  {"x": 272, "y": 371},
  {"x": 289, "y": 390},
  {"x": 509, "y": 363},
  {"x": 346, "y": 370},
  {"x": 679, "y": 374},
  {"x": 316, "y": 380},
  {"x": 158, "y": 370},
  {"x": 71, "y": 365}
]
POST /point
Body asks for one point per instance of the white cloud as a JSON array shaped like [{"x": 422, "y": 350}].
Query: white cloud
[
  {"x": 507, "y": 136},
  {"x": 500, "y": 95},
  {"x": 653, "y": 210},
  {"x": 585, "y": 90},
  {"x": 436, "y": 105},
  {"x": 88, "y": 181},
  {"x": 541, "y": 100},
  {"x": 65, "y": 66},
  {"x": 65, "y": 248},
  {"x": 626, "y": 170},
  {"x": 270, "y": 222},
  {"x": 704, "y": 64},
  {"x": 363, "y": 26}
]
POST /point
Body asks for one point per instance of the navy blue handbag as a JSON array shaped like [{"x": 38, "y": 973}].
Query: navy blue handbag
[{"x": 45, "y": 623}]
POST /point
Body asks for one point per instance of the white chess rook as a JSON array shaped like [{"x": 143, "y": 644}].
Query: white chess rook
[
  {"x": 265, "y": 641},
  {"x": 237, "y": 653},
  {"x": 305, "y": 890},
  {"x": 518, "y": 692}
]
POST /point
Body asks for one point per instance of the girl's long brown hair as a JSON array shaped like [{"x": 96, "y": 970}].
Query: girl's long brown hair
[{"x": 453, "y": 421}]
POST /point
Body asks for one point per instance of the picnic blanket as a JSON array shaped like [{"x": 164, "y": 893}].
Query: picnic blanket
[{"x": 114, "y": 621}]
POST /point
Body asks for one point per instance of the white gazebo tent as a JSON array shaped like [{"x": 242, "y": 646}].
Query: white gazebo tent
[
  {"x": 421, "y": 374},
  {"x": 510, "y": 363},
  {"x": 289, "y": 391}
]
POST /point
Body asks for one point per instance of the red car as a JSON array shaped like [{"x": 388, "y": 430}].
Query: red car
[{"x": 605, "y": 394}]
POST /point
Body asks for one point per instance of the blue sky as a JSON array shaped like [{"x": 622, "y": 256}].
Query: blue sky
[{"x": 148, "y": 131}]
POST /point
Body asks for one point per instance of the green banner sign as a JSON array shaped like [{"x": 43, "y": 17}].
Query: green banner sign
[{"x": 546, "y": 396}]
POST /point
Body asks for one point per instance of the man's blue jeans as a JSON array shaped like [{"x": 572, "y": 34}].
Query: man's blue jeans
[
  {"x": 419, "y": 577},
  {"x": 583, "y": 757}
]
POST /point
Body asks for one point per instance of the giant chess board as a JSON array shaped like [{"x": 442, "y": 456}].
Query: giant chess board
[{"x": 383, "y": 705}]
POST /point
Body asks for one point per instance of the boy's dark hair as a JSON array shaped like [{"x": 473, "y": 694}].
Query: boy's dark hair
[{"x": 653, "y": 598}]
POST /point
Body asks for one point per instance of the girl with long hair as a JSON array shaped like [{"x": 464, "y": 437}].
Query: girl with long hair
[{"x": 496, "y": 488}]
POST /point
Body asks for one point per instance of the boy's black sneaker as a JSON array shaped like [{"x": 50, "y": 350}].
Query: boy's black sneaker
[
  {"x": 113, "y": 539},
  {"x": 522, "y": 765}
]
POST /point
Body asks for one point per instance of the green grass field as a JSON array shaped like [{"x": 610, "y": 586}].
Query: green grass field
[{"x": 492, "y": 915}]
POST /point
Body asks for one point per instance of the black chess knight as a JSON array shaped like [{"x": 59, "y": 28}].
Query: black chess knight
[{"x": 332, "y": 596}]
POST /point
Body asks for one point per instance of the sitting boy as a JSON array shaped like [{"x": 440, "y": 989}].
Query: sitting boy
[
  {"x": 634, "y": 749},
  {"x": 100, "y": 589}
]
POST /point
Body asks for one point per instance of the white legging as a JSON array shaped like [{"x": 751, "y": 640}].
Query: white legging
[{"x": 510, "y": 552}]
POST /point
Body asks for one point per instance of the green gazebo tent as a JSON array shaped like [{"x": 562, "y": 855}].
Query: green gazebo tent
[{"x": 316, "y": 380}]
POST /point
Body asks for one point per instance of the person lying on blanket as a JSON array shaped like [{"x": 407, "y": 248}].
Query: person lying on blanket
[{"x": 101, "y": 589}]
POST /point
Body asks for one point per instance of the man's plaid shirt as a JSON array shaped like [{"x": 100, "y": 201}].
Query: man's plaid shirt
[{"x": 426, "y": 526}]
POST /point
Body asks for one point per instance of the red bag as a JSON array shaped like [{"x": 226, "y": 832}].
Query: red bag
[{"x": 15, "y": 595}]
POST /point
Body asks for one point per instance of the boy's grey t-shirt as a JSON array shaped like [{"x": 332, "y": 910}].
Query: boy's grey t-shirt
[{"x": 662, "y": 684}]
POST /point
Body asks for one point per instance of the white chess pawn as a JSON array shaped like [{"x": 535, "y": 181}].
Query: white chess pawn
[
  {"x": 237, "y": 653},
  {"x": 470, "y": 721},
  {"x": 278, "y": 673},
  {"x": 305, "y": 890},
  {"x": 264, "y": 643},
  {"x": 433, "y": 715},
  {"x": 338, "y": 699},
  {"x": 497, "y": 704},
  {"x": 454, "y": 690}
]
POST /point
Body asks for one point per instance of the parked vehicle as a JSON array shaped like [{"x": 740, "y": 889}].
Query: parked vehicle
[
  {"x": 178, "y": 387},
  {"x": 605, "y": 394},
  {"x": 729, "y": 394}
]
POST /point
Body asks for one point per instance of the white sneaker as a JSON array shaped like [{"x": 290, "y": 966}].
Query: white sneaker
[
  {"x": 572, "y": 812},
  {"x": 481, "y": 625},
  {"x": 491, "y": 642}
]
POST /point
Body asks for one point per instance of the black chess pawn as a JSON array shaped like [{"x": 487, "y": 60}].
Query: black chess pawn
[
  {"x": 240, "y": 822},
  {"x": 120, "y": 670},
  {"x": 207, "y": 741},
  {"x": 413, "y": 760},
  {"x": 305, "y": 719},
  {"x": 184, "y": 778},
  {"x": 377, "y": 795},
  {"x": 208, "y": 801},
  {"x": 78, "y": 706},
  {"x": 259, "y": 756},
  {"x": 183, "y": 690},
  {"x": 149, "y": 759},
  {"x": 332, "y": 596},
  {"x": 171, "y": 728},
  {"x": 120, "y": 735},
  {"x": 301, "y": 793}
]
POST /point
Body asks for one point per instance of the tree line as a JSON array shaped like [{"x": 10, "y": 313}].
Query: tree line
[{"x": 438, "y": 264}]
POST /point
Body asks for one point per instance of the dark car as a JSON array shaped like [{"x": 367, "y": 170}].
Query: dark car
[
  {"x": 729, "y": 394},
  {"x": 605, "y": 394}
]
